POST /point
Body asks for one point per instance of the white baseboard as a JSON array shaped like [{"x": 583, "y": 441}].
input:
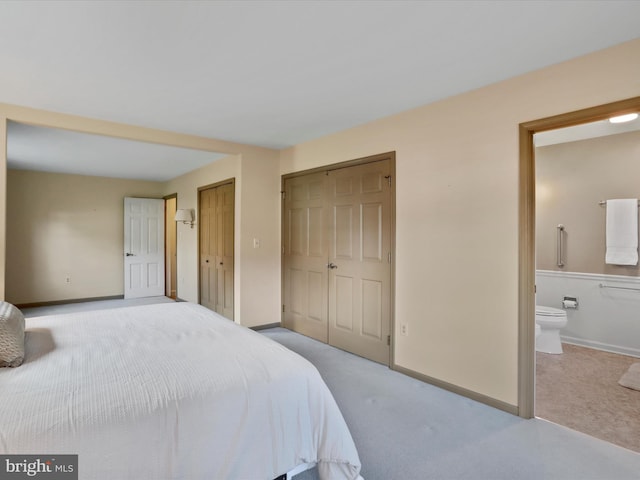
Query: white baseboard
[{"x": 632, "y": 352}]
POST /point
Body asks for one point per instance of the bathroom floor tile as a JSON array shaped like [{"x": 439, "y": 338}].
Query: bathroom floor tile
[{"x": 579, "y": 389}]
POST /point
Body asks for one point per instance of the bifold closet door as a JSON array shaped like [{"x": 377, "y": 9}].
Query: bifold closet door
[
  {"x": 207, "y": 228},
  {"x": 225, "y": 200},
  {"x": 337, "y": 228},
  {"x": 216, "y": 226},
  {"x": 305, "y": 256},
  {"x": 360, "y": 259}
]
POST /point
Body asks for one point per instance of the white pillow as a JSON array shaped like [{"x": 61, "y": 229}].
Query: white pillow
[{"x": 11, "y": 336}]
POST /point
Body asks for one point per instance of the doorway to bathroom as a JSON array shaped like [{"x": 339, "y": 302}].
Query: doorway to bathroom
[{"x": 576, "y": 164}]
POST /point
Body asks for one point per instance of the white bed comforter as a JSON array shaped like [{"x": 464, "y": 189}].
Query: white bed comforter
[{"x": 170, "y": 391}]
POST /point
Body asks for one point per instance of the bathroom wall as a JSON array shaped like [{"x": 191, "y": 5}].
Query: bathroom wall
[
  {"x": 606, "y": 317},
  {"x": 571, "y": 178}
]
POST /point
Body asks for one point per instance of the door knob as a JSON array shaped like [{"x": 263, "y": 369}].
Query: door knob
[
  {"x": 206, "y": 261},
  {"x": 130, "y": 254},
  {"x": 332, "y": 266}
]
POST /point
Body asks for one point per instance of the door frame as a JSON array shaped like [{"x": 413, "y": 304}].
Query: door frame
[
  {"x": 336, "y": 166},
  {"x": 526, "y": 237},
  {"x": 229, "y": 181},
  {"x": 170, "y": 221}
]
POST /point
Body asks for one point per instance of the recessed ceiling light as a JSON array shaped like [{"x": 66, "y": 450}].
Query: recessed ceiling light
[{"x": 624, "y": 118}]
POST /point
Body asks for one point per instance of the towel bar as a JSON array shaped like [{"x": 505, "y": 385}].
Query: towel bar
[
  {"x": 604, "y": 202},
  {"x": 602, "y": 285}
]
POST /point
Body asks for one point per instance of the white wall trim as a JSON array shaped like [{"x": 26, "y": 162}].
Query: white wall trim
[
  {"x": 606, "y": 319},
  {"x": 589, "y": 276}
]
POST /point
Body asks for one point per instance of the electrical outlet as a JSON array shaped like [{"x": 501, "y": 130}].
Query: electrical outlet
[
  {"x": 404, "y": 329},
  {"x": 67, "y": 279}
]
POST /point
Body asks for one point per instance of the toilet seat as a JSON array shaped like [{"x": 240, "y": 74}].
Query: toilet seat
[{"x": 549, "y": 311}]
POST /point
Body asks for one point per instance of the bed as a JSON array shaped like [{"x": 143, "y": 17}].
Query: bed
[{"x": 170, "y": 391}]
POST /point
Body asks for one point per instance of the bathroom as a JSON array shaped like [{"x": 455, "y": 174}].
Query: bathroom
[{"x": 593, "y": 295}]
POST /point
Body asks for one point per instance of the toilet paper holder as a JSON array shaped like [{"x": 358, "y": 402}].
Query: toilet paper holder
[{"x": 570, "y": 302}]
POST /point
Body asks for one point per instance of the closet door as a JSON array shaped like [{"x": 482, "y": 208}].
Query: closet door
[
  {"x": 207, "y": 227},
  {"x": 305, "y": 255},
  {"x": 360, "y": 259},
  {"x": 224, "y": 212},
  {"x": 337, "y": 237},
  {"x": 216, "y": 224}
]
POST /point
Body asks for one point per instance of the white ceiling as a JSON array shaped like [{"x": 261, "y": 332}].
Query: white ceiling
[
  {"x": 277, "y": 73},
  {"x": 62, "y": 151},
  {"x": 601, "y": 128}
]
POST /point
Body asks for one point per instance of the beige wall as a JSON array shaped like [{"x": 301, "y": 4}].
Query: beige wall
[
  {"x": 257, "y": 204},
  {"x": 260, "y": 219},
  {"x": 257, "y": 212},
  {"x": 186, "y": 186},
  {"x": 81, "y": 219},
  {"x": 571, "y": 178},
  {"x": 457, "y": 211},
  {"x": 62, "y": 226}
]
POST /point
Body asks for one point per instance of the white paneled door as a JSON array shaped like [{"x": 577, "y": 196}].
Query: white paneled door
[{"x": 143, "y": 247}]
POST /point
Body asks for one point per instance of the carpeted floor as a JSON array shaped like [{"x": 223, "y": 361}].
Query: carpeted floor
[
  {"x": 407, "y": 429},
  {"x": 579, "y": 389}
]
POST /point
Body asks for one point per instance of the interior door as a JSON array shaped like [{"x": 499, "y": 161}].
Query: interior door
[
  {"x": 143, "y": 247},
  {"x": 224, "y": 212},
  {"x": 216, "y": 212},
  {"x": 360, "y": 259},
  {"x": 337, "y": 229},
  {"x": 207, "y": 227},
  {"x": 305, "y": 256}
]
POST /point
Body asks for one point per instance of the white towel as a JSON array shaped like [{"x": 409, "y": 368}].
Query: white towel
[{"x": 622, "y": 232}]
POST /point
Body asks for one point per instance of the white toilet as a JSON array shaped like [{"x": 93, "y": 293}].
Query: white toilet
[{"x": 550, "y": 320}]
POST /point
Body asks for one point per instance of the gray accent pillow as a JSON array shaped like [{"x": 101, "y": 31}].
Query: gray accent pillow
[{"x": 11, "y": 336}]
